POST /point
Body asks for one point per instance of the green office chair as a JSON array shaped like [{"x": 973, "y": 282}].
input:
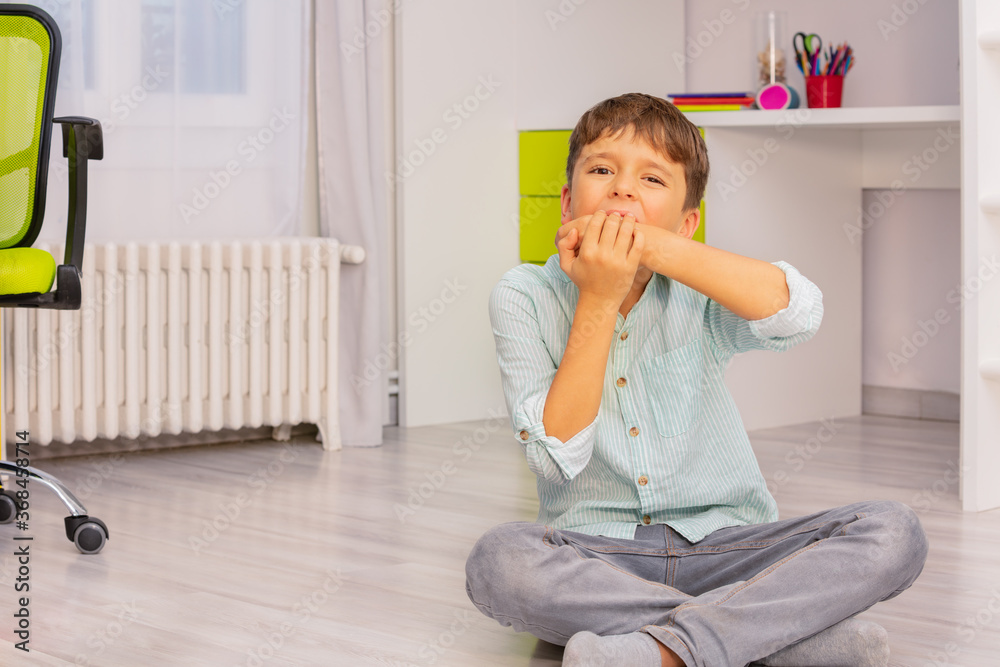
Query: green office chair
[{"x": 30, "y": 48}]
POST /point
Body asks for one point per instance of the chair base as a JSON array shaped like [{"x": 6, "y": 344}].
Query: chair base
[{"x": 87, "y": 532}]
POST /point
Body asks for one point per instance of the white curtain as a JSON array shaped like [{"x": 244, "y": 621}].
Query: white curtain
[
  {"x": 203, "y": 104},
  {"x": 350, "y": 111}
]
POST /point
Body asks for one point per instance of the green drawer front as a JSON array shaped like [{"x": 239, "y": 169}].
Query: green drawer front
[
  {"x": 540, "y": 219},
  {"x": 699, "y": 234},
  {"x": 543, "y": 158}
]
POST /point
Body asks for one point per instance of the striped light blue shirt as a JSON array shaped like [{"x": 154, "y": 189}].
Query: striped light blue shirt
[{"x": 667, "y": 445}]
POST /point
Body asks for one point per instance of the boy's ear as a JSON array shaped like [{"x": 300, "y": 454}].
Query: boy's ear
[
  {"x": 690, "y": 224},
  {"x": 565, "y": 205}
]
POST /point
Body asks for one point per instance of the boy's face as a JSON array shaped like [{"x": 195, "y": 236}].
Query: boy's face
[{"x": 627, "y": 175}]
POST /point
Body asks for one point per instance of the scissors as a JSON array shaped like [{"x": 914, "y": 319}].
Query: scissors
[{"x": 807, "y": 49}]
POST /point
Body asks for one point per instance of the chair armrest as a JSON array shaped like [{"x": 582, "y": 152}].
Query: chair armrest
[
  {"x": 87, "y": 132},
  {"x": 83, "y": 140}
]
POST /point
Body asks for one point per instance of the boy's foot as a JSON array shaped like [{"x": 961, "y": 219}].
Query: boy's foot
[
  {"x": 585, "y": 649},
  {"x": 850, "y": 643}
]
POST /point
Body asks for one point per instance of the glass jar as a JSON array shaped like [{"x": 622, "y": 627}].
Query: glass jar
[{"x": 771, "y": 62}]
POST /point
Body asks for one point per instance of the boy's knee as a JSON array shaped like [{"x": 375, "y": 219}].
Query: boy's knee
[
  {"x": 905, "y": 543},
  {"x": 501, "y": 546},
  {"x": 500, "y": 558}
]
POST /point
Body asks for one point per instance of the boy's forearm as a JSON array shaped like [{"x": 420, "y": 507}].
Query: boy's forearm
[
  {"x": 574, "y": 397},
  {"x": 749, "y": 287}
]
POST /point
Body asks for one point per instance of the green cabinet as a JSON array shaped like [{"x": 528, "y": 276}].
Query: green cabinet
[{"x": 542, "y": 160}]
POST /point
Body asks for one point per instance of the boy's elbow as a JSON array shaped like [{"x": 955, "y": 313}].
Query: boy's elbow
[
  {"x": 817, "y": 315},
  {"x": 808, "y": 308},
  {"x": 772, "y": 305},
  {"x": 560, "y": 432},
  {"x": 782, "y": 298},
  {"x": 546, "y": 468},
  {"x": 810, "y": 324}
]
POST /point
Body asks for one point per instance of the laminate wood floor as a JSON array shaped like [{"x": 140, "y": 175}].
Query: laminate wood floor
[{"x": 271, "y": 553}]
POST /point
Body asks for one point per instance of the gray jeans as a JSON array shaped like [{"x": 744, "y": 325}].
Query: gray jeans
[{"x": 737, "y": 596}]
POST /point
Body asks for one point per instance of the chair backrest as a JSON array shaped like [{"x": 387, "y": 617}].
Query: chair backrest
[{"x": 30, "y": 48}]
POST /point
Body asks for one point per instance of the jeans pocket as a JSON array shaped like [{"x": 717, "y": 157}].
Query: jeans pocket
[{"x": 673, "y": 382}]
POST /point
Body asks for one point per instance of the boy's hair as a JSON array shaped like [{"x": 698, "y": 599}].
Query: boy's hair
[{"x": 656, "y": 121}]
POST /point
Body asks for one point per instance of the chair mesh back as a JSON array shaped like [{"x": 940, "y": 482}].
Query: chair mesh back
[{"x": 24, "y": 66}]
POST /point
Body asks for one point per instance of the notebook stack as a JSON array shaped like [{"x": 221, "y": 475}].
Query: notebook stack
[{"x": 712, "y": 101}]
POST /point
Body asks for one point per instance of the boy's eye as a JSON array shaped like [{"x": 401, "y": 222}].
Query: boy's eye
[
  {"x": 600, "y": 170},
  {"x": 655, "y": 179}
]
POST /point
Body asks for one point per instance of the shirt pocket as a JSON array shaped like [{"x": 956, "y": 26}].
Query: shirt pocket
[{"x": 673, "y": 388}]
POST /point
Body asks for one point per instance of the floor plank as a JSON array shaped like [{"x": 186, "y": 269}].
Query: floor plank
[{"x": 271, "y": 553}]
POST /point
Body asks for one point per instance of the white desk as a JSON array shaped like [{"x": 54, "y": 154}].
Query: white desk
[{"x": 787, "y": 185}]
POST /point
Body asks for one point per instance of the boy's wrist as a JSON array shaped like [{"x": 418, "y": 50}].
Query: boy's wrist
[
  {"x": 658, "y": 246},
  {"x": 595, "y": 302}
]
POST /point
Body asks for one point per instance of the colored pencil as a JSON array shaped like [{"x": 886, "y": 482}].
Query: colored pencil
[{"x": 711, "y": 107}]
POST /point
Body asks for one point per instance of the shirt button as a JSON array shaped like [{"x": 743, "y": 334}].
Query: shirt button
[
  {"x": 624, "y": 335},
  {"x": 646, "y": 520},
  {"x": 633, "y": 431},
  {"x": 621, "y": 382},
  {"x": 643, "y": 481},
  {"x": 524, "y": 435}
]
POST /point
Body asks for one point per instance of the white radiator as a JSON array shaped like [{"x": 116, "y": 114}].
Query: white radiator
[{"x": 176, "y": 338}]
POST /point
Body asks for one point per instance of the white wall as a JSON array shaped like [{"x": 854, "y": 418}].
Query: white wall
[
  {"x": 457, "y": 210},
  {"x": 912, "y": 321},
  {"x": 455, "y": 193}
]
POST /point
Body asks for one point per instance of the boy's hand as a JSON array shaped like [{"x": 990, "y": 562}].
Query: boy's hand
[{"x": 600, "y": 253}]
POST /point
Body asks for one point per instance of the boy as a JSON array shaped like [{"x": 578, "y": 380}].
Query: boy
[{"x": 657, "y": 541}]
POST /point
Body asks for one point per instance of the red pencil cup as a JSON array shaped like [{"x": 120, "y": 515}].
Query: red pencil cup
[{"x": 824, "y": 91}]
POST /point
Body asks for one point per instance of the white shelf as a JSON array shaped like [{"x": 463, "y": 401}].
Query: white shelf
[
  {"x": 861, "y": 118},
  {"x": 990, "y": 205},
  {"x": 990, "y": 40},
  {"x": 990, "y": 369}
]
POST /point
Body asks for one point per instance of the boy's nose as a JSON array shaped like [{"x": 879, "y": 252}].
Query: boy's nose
[{"x": 623, "y": 188}]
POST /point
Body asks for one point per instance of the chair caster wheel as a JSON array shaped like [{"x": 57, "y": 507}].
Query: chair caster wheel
[
  {"x": 8, "y": 506},
  {"x": 88, "y": 533}
]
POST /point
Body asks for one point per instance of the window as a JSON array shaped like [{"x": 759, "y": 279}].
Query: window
[
  {"x": 203, "y": 42},
  {"x": 89, "y": 53},
  {"x": 192, "y": 96}
]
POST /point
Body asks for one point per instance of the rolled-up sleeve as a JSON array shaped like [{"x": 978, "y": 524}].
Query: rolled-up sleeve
[
  {"x": 527, "y": 369},
  {"x": 796, "y": 323}
]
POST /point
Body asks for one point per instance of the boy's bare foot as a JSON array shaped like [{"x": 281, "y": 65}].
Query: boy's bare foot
[
  {"x": 585, "y": 649},
  {"x": 850, "y": 643}
]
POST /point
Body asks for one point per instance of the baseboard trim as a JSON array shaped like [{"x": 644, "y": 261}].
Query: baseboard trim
[
  {"x": 911, "y": 403},
  {"x": 58, "y": 450}
]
